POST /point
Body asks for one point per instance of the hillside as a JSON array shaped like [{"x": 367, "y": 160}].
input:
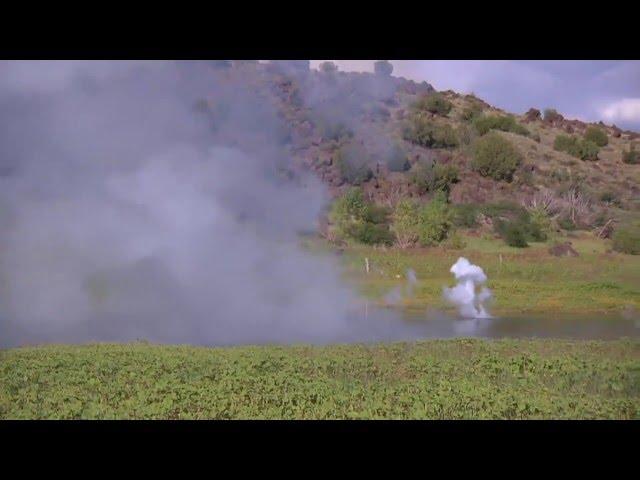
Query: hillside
[{"x": 390, "y": 136}]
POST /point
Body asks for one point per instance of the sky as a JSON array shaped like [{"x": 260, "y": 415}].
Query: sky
[{"x": 587, "y": 90}]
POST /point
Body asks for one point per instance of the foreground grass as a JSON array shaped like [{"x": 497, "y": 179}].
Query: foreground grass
[
  {"x": 524, "y": 280},
  {"x": 435, "y": 379}
]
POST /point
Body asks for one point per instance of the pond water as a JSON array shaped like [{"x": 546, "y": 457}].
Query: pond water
[
  {"x": 394, "y": 324},
  {"x": 368, "y": 325}
]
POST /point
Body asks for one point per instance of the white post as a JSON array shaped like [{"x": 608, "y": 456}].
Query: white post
[{"x": 366, "y": 263}]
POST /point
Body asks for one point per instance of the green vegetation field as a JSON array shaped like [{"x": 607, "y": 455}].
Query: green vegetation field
[
  {"x": 450, "y": 379},
  {"x": 527, "y": 280}
]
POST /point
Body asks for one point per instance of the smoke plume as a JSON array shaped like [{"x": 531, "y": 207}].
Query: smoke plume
[
  {"x": 465, "y": 295},
  {"x": 151, "y": 200}
]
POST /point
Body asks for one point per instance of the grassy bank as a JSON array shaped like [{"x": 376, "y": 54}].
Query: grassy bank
[
  {"x": 434, "y": 379},
  {"x": 523, "y": 280}
]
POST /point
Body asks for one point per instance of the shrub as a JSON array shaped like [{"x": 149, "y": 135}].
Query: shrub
[
  {"x": 371, "y": 234},
  {"x": 466, "y": 134},
  {"x": 335, "y": 131},
  {"x": 427, "y": 133},
  {"x": 469, "y": 114},
  {"x": 383, "y": 67},
  {"x": 434, "y": 221},
  {"x": 632, "y": 157},
  {"x": 465, "y": 215},
  {"x": 359, "y": 220},
  {"x": 353, "y": 164},
  {"x": 626, "y": 239},
  {"x": 428, "y": 177},
  {"x": 582, "y": 149},
  {"x": 434, "y": 103},
  {"x": 349, "y": 208},
  {"x": 566, "y": 143},
  {"x": 455, "y": 242},
  {"x": 428, "y": 225},
  {"x": 514, "y": 235},
  {"x": 405, "y": 222},
  {"x": 398, "y": 161},
  {"x": 421, "y": 176},
  {"x": 495, "y": 157},
  {"x": 506, "y": 123},
  {"x": 597, "y": 136},
  {"x": 588, "y": 150},
  {"x": 551, "y": 115},
  {"x": 566, "y": 223},
  {"x": 540, "y": 225},
  {"x": 443, "y": 177}
]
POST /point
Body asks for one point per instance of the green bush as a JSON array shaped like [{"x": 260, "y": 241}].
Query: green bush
[
  {"x": 588, "y": 150},
  {"x": 405, "y": 222},
  {"x": 566, "y": 143},
  {"x": 349, "y": 208},
  {"x": 398, "y": 161},
  {"x": 465, "y": 215},
  {"x": 455, "y": 242},
  {"x": 597, "y": 136},
  {"x": 469, "y": 114},
  {"x": 444, "y": 177},
  {"x": 428, "y": 177},
  {"x": 353, "y": 164},
  {"x": 521, "y": 226},
  {"x": 582, "y": 149},
  {"x": 370, "y": 233},
  {"x": 515, "y": 235},
  {"x": 435, "y": 221},
  {"x": 427, "y": 225},
  {"x": 427, "y": 133},
  {"x": 626, "y": 239},
  {"x": 434, "y": 103},
  {"x": 540, "y": 225},
  {"x": 357, "y": 219},
  {"x": 632, "y": 157},
  {"x": 566, "y": 223},
  {"x": 495, "y": 157},
  {"x": 506, "y": 123}
]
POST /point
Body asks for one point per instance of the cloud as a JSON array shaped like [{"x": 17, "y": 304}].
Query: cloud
[
  {"x": 627, "y": 110},
  {"x": 576, "y": 86}
]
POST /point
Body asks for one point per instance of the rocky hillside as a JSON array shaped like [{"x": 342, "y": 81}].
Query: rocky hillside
[{"x": 387, "y": 134}]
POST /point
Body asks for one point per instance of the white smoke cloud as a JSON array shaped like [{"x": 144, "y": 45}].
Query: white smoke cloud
[
  {"x": 465, "y": 295},
  {"x": 126, "y": 214}
]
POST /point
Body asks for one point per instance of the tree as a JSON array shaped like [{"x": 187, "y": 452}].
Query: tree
[{"x": 383, "y": 68}]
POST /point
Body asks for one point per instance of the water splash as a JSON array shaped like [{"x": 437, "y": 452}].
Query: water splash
[{"x": 470, "y": 302}]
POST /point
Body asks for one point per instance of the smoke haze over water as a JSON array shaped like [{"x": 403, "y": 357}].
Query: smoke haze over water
[{"x": 125, "y": 213}]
